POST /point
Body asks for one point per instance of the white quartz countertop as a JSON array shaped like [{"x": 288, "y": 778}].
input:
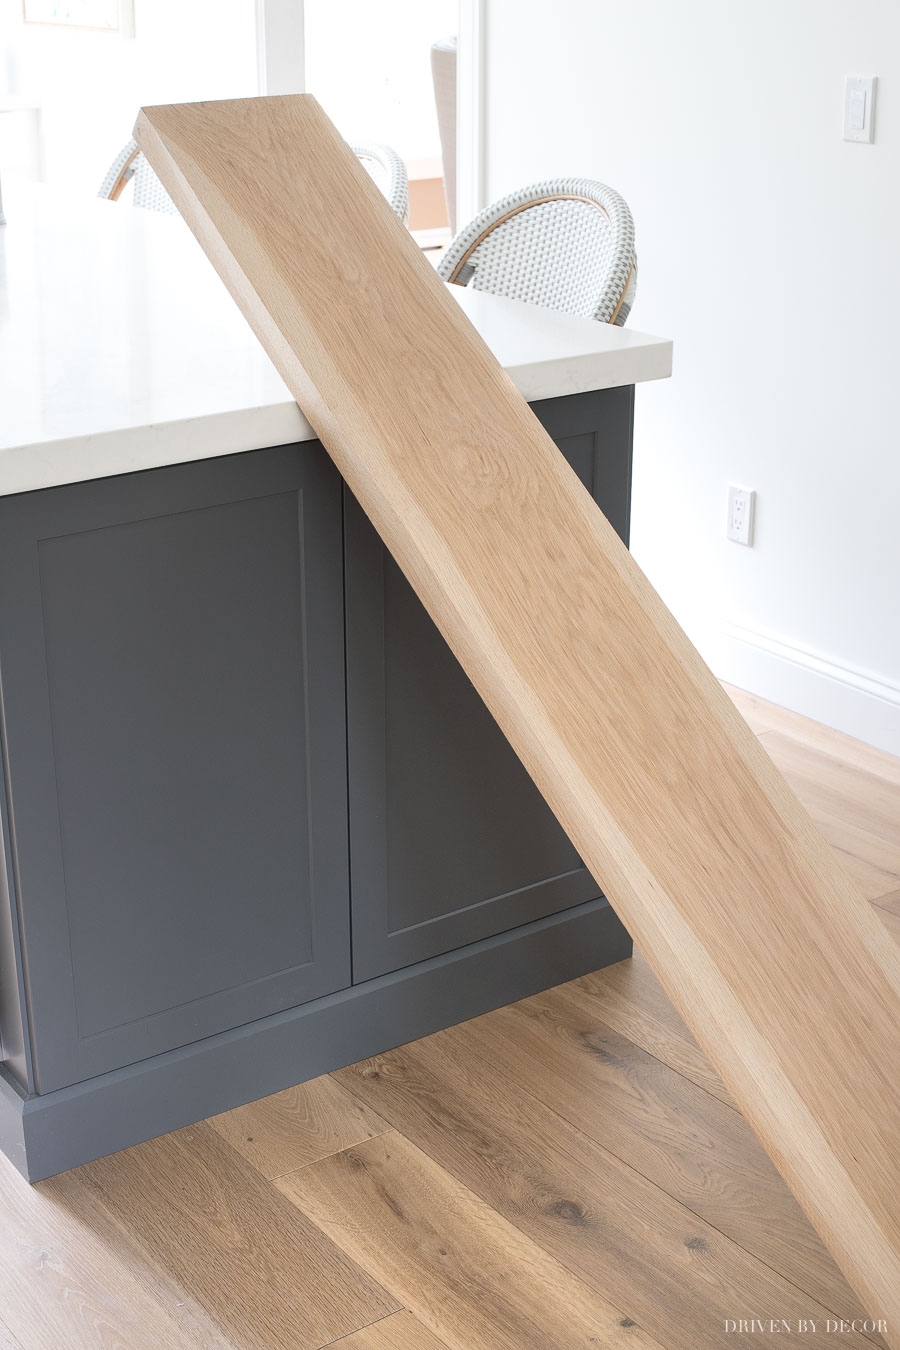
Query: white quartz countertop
[{"x": 120, "y": 349}]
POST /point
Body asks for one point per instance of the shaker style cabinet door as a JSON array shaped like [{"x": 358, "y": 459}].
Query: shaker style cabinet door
[
  {"x": 172, "y": 665},
  {"x": 450, "y": 841}
]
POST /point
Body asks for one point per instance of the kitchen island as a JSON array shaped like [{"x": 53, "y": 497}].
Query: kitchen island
[{"x": 256, "y": 822}]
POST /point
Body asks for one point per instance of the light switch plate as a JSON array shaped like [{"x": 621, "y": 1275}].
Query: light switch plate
[{"x": 859, "y": 108}]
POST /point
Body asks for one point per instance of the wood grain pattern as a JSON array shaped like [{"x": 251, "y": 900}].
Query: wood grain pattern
[
  {"x": 675, "y": 1274},
  {"x": 629, "y": 998},
  {"x": 65, "y": 1281},
  {"x": 757, "y": 934},
  {"x": 72, "y": 1274},
  {"x": 891, "y": 902},
  {"x": 400, "y": 1331},
  {"x": 676, "y": 1135},
  {"x": 264, "y": 1274},
  {"x": 764, "y": 716},
  {"x": 858, "y": 811},
  {"x": 7, "y": 1340},
  {"x": 891, "y": 920},
  {"x": 869, "y": 875},
  {"x": 298, "y": 1126},
  {"x": 461, "y": 1268},
  {"x": 862, "y": 798}
]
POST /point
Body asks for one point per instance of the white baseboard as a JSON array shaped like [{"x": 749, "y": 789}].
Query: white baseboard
[{"x": 803, "y": 680}]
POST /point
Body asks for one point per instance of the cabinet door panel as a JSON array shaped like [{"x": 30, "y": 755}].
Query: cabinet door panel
[
  {"x": 450, "y": 839},
  {"x": 172, "y": 665}
]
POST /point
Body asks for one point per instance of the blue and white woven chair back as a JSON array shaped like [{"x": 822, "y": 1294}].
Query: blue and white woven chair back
[{"x": 566, "y": 244}]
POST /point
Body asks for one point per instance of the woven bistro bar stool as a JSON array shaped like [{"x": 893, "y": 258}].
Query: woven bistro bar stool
[
  {"x": 148, "y": 192},
  {"x": 388, "y": 170},
  {"x": 565, "y": 244},
  {"x": 382, "y": 163}
]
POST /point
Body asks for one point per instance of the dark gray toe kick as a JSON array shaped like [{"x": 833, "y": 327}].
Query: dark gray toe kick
[
  {"x": 255, "y": 822},
  {"x": 43, "y": 1135}
]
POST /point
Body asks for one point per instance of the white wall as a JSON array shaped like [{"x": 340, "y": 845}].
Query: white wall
[
  {"x": 369, "y": 64},
  {"x": 769, "y": 250},
  {"x": 90, "y": 85}
]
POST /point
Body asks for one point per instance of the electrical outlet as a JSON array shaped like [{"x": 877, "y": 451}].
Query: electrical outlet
[{"x": 741, "y": 502}]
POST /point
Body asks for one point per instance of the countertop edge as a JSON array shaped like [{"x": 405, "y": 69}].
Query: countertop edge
[{"x": 106, "y": 454}]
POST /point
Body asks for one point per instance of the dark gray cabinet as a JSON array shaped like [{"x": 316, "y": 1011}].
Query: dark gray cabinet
[
  {"x": 255, "y": 823},
  {"x": 171, "y": 648},
  {"x": 450, "y": 841}
]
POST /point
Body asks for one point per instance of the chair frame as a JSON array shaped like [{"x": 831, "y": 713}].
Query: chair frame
[
  {"x": 398, "y": 179},
  {"x": 459, "y": 252},
  {"x": 121, "y": 171}
]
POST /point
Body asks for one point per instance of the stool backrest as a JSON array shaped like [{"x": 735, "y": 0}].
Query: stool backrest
[
  {"x": 565, "y": 244},
  {"x": 382, "y": 163}
]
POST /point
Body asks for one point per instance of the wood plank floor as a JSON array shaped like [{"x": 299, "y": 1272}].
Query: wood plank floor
[{"x": 564, "y": 1172}]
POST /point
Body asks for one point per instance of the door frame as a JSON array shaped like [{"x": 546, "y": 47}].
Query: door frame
[
  {"x": 280, "y": 50},
  {"x": 471, "y": 110},
  {"x": 280, "y": 54}
]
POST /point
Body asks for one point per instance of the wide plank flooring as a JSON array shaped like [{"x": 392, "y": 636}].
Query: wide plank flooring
[{"x": 562, "y": 1173}]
